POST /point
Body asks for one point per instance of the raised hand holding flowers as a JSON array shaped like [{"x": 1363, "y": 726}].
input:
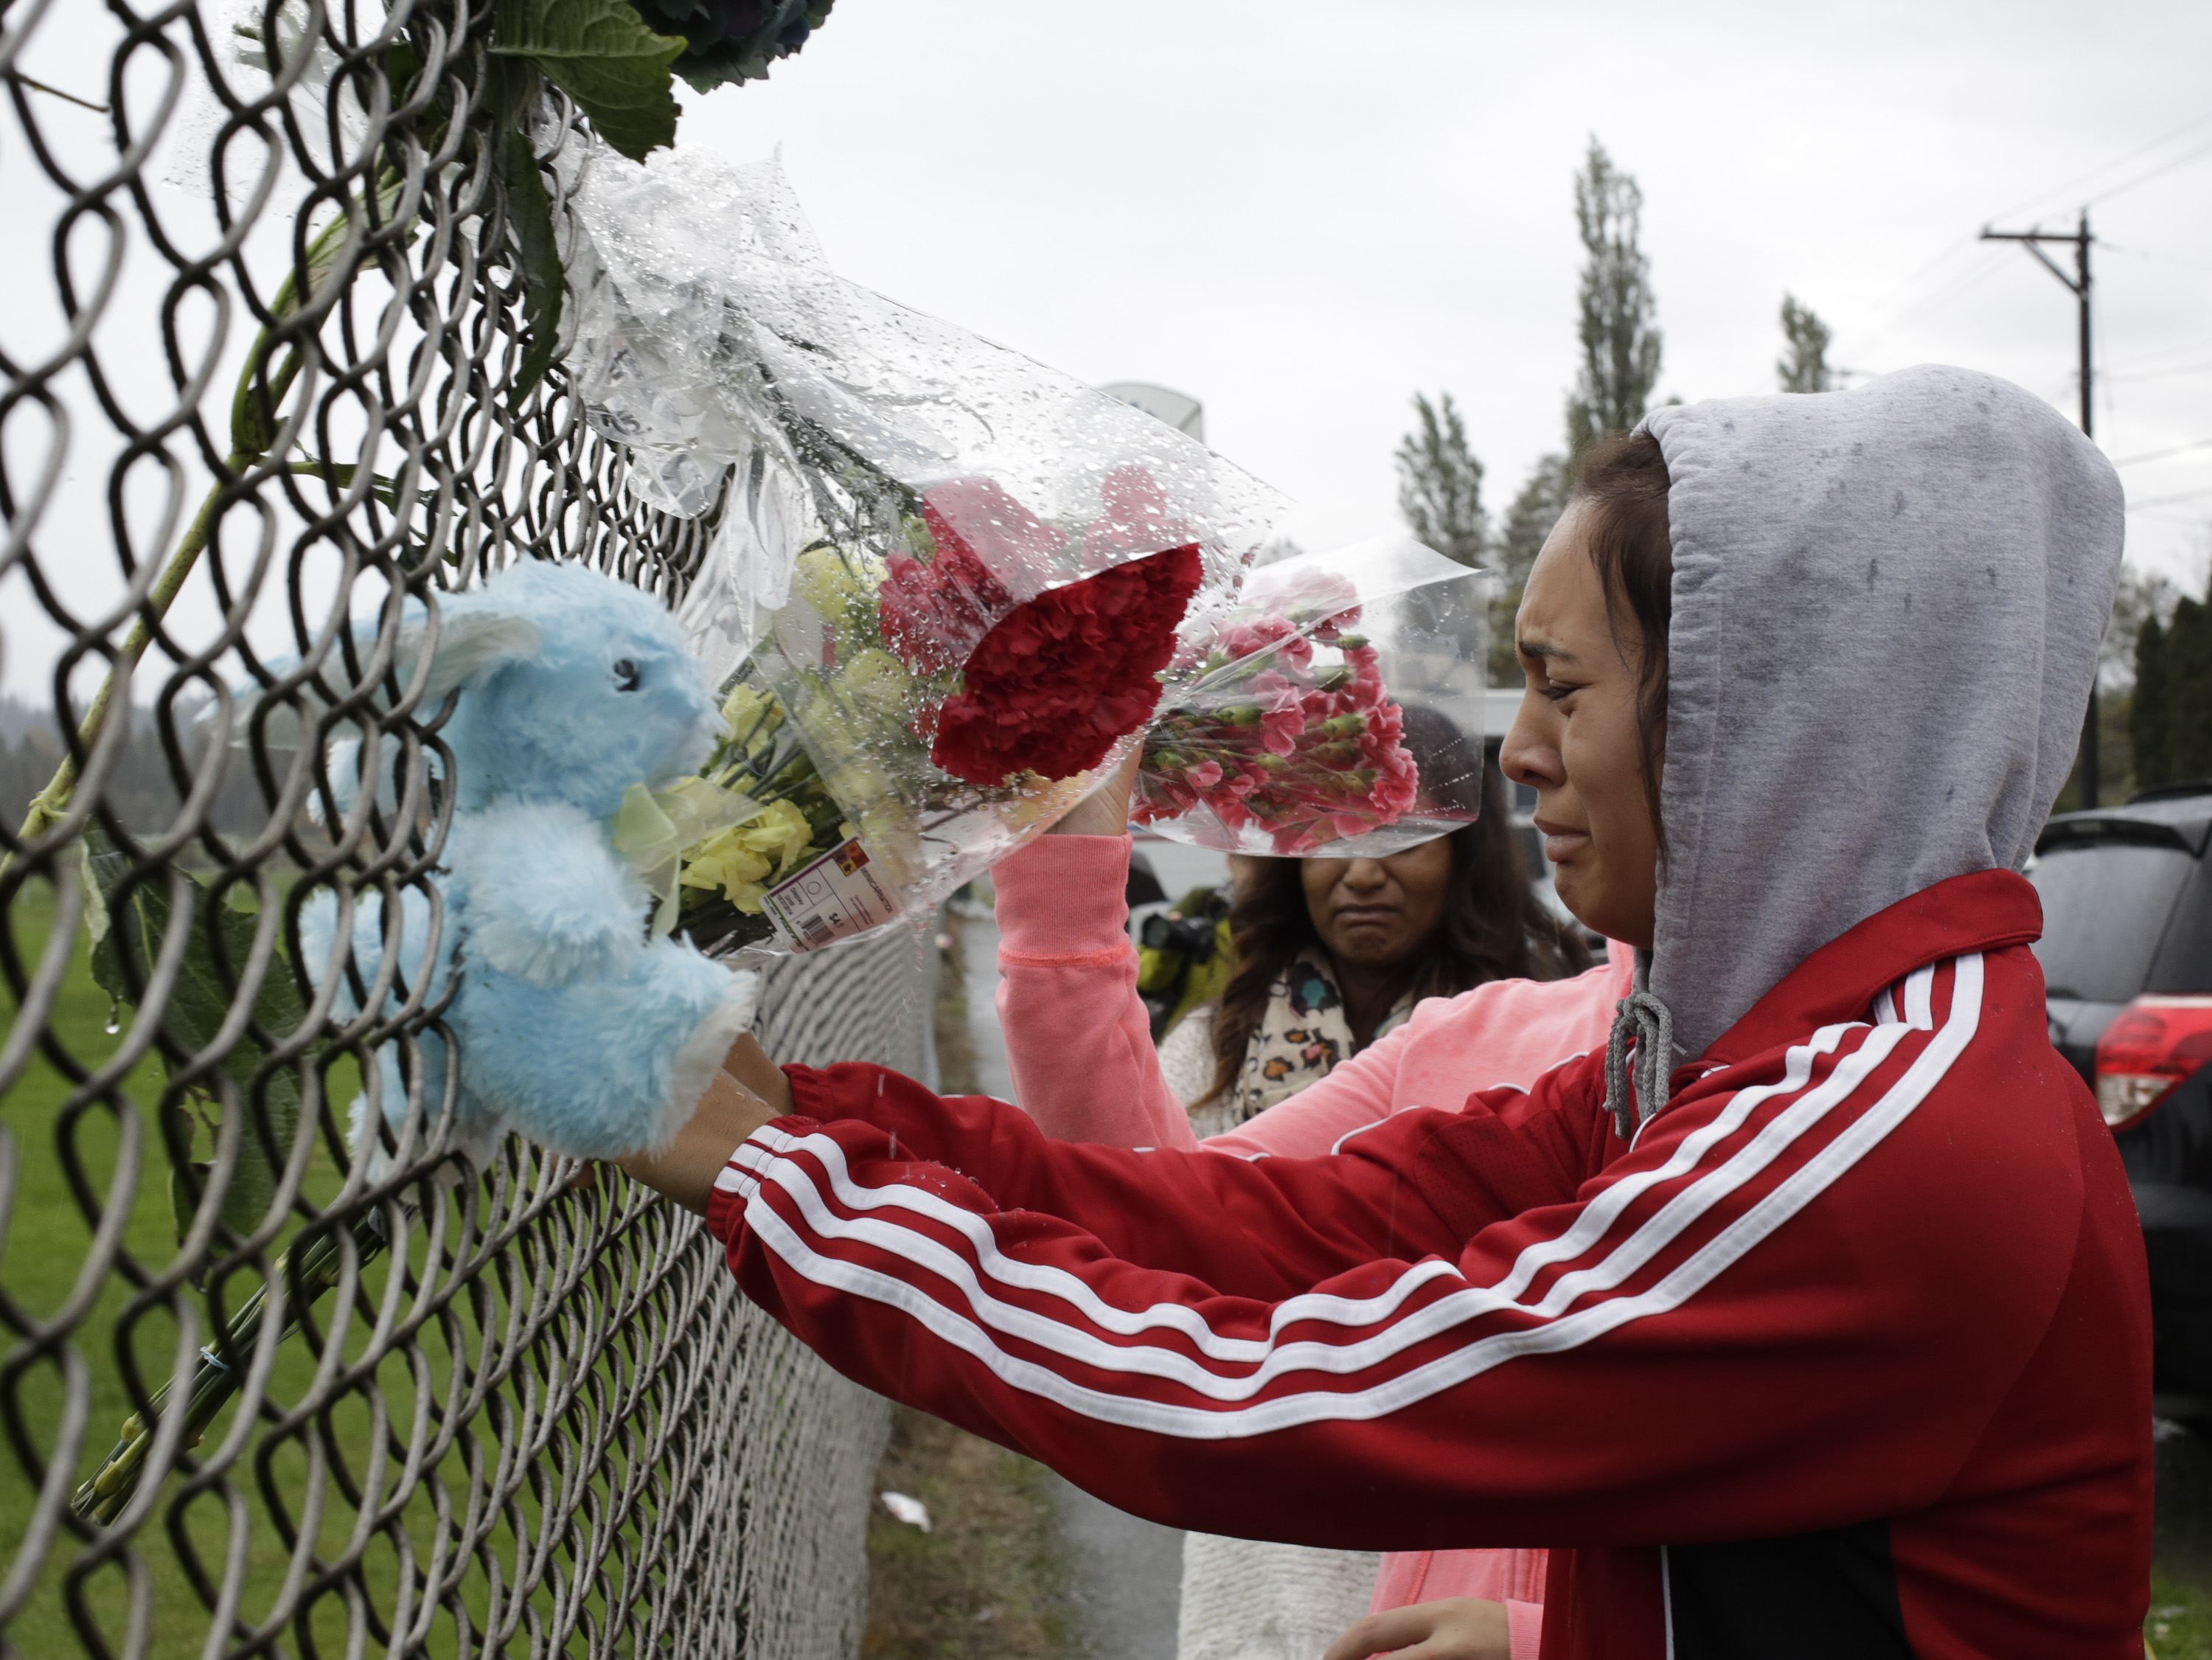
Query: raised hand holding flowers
[{"x": 1279, "y": 734}]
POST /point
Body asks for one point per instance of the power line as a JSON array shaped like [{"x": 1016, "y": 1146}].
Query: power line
[
  {"x": 2158, "y": 359},
  {"x": 2161, "y": 501},
  {"x": 2160, "y": 455},
  {"x": 1954, "y": 287},
  {"x": 2198, "y": 366},
  {"x": 2153, "y": 253},
  {"x": 2163, "y": 167},
  {"x": 2136, "y": 154},
  {"x": 1880, "y": 324},
  {"x": 1895, "y": 296}
]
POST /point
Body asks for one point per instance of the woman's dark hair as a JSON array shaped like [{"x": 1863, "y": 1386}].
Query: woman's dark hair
[
  {"x": 1623, "y": 479},
  {"x": 1493, "y": 927}
]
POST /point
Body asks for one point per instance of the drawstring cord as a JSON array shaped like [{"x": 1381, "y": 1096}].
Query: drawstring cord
[{"x": 1643, "y": 1018}]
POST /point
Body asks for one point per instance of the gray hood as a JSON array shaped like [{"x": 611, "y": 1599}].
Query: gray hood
[{"x": 1886, "y": 609}]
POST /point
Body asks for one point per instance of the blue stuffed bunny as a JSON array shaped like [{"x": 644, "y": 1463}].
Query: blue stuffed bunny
[{"x": 575, "y": 1025}]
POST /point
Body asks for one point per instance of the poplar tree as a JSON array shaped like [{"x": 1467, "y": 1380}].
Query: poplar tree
[
  {"x": 1618, "y": 327},
  {"x": 2150, "y": 728},
  {"x": 1440, "y": 482},
  {"x": 1804, "y": 365},
  {"x": 1536, "y": 507},
  {"x": 1440, "y": 498},
  {"x": 2188, "y": 667}
]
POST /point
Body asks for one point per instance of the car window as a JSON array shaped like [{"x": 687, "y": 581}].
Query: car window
[
  {"x": 2185, "y": 964},
  {"x": 2104, "y": 907}
]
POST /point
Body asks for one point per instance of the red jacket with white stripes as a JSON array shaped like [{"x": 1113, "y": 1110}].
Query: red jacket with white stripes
[{"x": 1847, "y": 1354}]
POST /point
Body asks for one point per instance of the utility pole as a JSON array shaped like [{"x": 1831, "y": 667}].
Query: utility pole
[{"x": 2078, "y": 284}]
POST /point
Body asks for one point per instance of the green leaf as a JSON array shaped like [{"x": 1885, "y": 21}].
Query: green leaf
[
  {"x": 341, "y": 474},
  {"x": 136, "y": 925},
  {"x": 602, "y": 55},
  {"x": 536, "y": 256},
  {"x": 254, "y": 406}
]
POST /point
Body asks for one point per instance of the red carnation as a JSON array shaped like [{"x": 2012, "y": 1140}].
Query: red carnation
[
  {"x": 1136, "y": 516},
  {"x": 1052, "y": 687},
  {"x": 933, "y": 615}
]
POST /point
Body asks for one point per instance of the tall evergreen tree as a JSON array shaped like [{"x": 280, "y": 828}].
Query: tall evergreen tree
[
  {"x": 1440, "y": 482},
  {"x": 1804, "y": 365},
  {"x": 2149, "y": 726},
  {"x": 1536, "y": 507},
  {"x": 1619, "y": 330},
  {"x": 2189, "y": 692}
]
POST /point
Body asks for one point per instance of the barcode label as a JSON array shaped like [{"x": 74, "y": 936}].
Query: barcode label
[{"x": 834, "y": 898}]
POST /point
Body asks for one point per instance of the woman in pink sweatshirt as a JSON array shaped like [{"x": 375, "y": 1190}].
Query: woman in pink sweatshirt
[{"x": 1079, "y": 1047}]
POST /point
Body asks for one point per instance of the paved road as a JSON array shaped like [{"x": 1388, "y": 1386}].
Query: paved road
[{"x": 1128, "y": 1572}]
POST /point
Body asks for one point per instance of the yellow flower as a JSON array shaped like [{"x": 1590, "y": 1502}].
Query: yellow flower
[
  {"x": 752, "y": 714},
  {"x": 854, "y": 782},
  {"x": 878, "y": 682},
  {"x": 722, "y": 863},
  {"x": 740, "y": 860},
  {"x": 824, "y": 581},
  {"x": 781, "y": 832}
]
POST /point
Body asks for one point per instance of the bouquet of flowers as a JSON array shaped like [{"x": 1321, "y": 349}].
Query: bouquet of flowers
[
  {"x": 944, "y": 581},
  {"x": 1287, "y": 730},
  {"x": 902, "y": 722}
]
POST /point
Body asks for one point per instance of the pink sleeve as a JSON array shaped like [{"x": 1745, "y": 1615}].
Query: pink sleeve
[
  {"x": 1524, "y": 1629},
  {"x": 1079, "y": 1044},
  {"x": 1078, "y": 1041}
]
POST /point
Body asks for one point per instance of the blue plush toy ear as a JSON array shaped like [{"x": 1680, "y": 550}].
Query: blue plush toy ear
[{"x": 476, "y": 633}]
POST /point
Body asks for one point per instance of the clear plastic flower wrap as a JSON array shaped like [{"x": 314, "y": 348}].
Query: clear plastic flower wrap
[
  {"x": 946, "y": 579},
  {"x": 1334, "y": 708}
]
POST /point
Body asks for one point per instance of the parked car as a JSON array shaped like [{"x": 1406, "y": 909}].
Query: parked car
[{"x": 2127, "y": 961}]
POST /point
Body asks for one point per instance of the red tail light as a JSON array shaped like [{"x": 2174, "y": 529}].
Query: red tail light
[{"x": 2148, "y": 1051}]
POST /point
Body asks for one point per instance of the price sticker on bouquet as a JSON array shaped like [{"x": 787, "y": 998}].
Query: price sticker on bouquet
[{"x": 834, "y": 897}]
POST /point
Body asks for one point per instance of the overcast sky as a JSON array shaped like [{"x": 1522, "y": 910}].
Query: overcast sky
[{"x": 1300, "y": 212}]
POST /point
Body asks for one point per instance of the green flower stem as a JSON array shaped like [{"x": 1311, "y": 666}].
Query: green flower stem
[
  {"x": 250, "y": 419},
  {"x": 48, "y": 806},
  {"x": 215, "y": 1379}
]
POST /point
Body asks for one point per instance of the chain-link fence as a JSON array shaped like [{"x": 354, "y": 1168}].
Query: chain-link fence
[{"x": 271, "y": 367}]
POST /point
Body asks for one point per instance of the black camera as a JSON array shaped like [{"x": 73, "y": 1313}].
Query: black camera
[{"x": 1191, "y": 938}]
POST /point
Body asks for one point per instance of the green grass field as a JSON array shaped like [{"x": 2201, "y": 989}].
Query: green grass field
[
  {"x": 2181, "y": 1623},
  {"x": 47, "y": 1240},
  {"x": 275, "y": 1530}
]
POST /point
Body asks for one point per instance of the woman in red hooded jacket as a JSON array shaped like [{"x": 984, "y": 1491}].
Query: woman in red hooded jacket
[{"x": 1808, "y": 1318}]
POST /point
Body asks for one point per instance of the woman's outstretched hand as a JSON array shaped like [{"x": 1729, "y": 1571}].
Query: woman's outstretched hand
[
  {"x": 1459, "y": 1628},
  {"x": 748, "y": 1092},
  {"x": 1105, "y": 810}
]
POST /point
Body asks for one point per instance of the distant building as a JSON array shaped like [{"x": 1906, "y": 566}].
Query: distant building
[{"x": 1178, "y": 409}]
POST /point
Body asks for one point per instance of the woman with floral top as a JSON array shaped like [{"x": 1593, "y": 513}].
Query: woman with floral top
[{"x": 1332, "y": 956}]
